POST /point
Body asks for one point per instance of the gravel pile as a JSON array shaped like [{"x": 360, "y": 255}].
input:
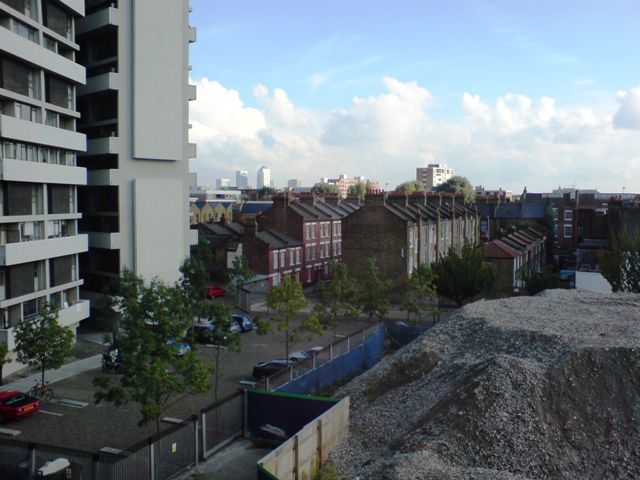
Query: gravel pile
[{"x": 521, "y": 388}]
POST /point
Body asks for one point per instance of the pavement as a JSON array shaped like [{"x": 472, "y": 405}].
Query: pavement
[
  {"x": 237, "y": 461},
  {"x": 52, "y": 376}
]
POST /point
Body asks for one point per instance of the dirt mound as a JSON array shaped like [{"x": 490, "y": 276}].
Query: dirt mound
[{"x": 527, "y": 387}]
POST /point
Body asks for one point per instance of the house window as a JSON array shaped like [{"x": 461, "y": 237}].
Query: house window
[
  {"x": 298, "y": 255},
  {"x": 313, "y": 230},
  {"x": 275, "y": 260},
  {"x": 568, "y": 231},
  {"x": 292, "y": 256},
  {"x": 307, "y": 234},
  {"x": 282, "y": 258},
  {"x": 568, "y": 215}
]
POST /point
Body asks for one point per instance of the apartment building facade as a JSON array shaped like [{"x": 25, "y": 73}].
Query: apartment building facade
[
  {"x": 433, "y": 174},
  {"x": 40, "y": 241},
  {"x": 135, "y": 116}
]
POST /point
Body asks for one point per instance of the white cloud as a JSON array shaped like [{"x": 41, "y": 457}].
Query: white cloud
[
  {"x": 510, "y": 142},
  {"x": 628, "y": 114}
]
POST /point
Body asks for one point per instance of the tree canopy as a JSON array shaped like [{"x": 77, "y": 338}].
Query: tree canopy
[
  {"x": 42, "y": 342},
  {"x": 461, "y": 276},
  {"x": 457, "y": 185},
  {"x": 360, "y": 189},
  {"x": 154, "y": 324},
  {"x": 412, "y": 186},
  {"x": 337, "y": 297},
  {"x": 621, "y": 264},
  {"x": 239, "y": 274},
  {"x": 372, "y": 292},
  {"x": 285, "y": 302},
  {"x": 419, "y": 290},
  {"x": 326, "y": 188}
]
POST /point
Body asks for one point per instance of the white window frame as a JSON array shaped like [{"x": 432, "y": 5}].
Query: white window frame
[
  {"x": 570, "y": 227},
  {"x": 568, "y": 215},
  {"x": 275, "y": 259}
]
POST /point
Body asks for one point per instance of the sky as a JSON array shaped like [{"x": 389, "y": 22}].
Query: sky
[{"x": 509, "y": 94}]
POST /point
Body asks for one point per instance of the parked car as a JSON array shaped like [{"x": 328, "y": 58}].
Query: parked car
[
  {"x": 264, "y": 369},
  {"x": 244, "y": 321},
  {"x": 302, "y": 354},
  {"x": 214, "y": 291},
  {"x": 208, "y": 333},
  {"x": 15, "y": 405}
]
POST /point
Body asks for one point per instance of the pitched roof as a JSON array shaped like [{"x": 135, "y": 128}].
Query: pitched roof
[
  {"x": 277, "y": 239},
  {"x": 498, "y": 249},
  {"x": 255, "y": 207}
]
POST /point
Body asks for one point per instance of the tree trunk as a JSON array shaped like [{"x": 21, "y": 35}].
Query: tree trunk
[{"x": 286, "y": 343}]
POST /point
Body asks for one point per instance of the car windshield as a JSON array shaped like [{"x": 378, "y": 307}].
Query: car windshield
[{"x": 14, "y": 399}]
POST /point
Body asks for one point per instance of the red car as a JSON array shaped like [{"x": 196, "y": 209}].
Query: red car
[
  {"x": 213, "y": 291},
  {"x": 15, "y": 405}
]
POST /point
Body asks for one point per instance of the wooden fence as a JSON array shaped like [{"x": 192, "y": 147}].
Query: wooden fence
[{"x": 301, "y": 456}]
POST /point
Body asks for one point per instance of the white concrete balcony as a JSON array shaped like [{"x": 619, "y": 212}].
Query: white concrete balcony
[
  {"x": 73, "y": 314},
  {"x": 32, "y": 251},
  {"x": 100, "y": 83},
  {"x": 7, "y": 338},
  {"x": 31, "y": 132},
  {"x": 23, "y": 171},
  {"x": 191, "y": 92},
  {"x": 191, "y": 34},
  {"x": 101, "y": 18},
  {"x": 103, "y": 146},
  {"x": 103, "y": 178},
  {"x": 35, "y": 54},
  {"x": 108, "y": 241},
  {"x": 192, "y": 150}
]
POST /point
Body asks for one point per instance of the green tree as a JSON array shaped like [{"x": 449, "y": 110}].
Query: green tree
[
  {"x": 461, "y": 276},
  {"x": 372, "y": 292},
  {"x": 327, "y": 188},
  {"x": 337, "y": 297},
  {"x": 239, "y": 274},
  {"x": 225, "y": 336},
  {"x": 412, "y": 186},
  {"x": 621, "y": 264},
  {"x": 285, "y": 302},
  {"x": 4, "y": 359},
  {"x": 419, "y": 291},
  {"x": 266, "y": 192},
  {"x": 42, "y": 342},
  {"x": 360, "y": 189},
  {"x": 202, "y": 251},
  {"x": 548, "y": 222},
  {"x": 457, "y": 185},
  {"x": 154, "y": 321},
  {"x": 539, "y": 281}
]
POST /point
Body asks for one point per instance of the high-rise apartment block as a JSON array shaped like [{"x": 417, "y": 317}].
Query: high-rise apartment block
[
  {"x": 264, "y": 177},
  {"x": 135, "y": 110},
  {"x": 434, "y": 174},
  {"x": 242, "y": 179},
  {"x": 222, "y": 183},
  {"x": 40, "y": 171}
]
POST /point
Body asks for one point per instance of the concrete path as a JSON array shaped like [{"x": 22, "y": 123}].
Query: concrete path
[
  {"x": 236, "y": 461},
  {"x": 52, "y": 376}
]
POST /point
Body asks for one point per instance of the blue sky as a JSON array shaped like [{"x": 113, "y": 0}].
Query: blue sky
[{"x": 507, "y": 93}]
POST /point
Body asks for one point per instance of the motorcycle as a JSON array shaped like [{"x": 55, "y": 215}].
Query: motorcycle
[{"x": 111, "y": 360}]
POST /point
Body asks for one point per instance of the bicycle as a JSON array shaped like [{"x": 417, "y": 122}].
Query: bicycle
[{"x": 41, "y": 390}]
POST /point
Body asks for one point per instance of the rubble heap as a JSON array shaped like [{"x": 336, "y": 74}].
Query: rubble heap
[{"x": 520, "y": 388}]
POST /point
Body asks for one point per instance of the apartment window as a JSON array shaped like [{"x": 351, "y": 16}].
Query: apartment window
[
  {"x": 313, "y": 230},
  {"x": 59, "y": 92},
  {"x": 57, "y": 19},
  {"x": 568, "y": 215},
  {"x": 568, "y": 231},
  {"x": 291, "y": 256},
  {"x": 24, "y": 30},
  {"x": 3, "y": 291},
  {"x": 298, "y": 255},
  {"x": 282, "y": 258},
  {"x": 307, "y": 235},
  {"x": 275, "y": 260}
]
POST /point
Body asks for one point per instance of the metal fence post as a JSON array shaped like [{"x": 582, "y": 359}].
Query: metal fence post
[
  {"x": 32, "y": 461},
  {"x": 331, "y": 351},
  {"x": 245, "y": 414},
  {"x": 152, "y": 460},
  {"x": 348, "y": 343},
  {"x": 195, "y": 439},
  {"x": 203, "y": 433}
]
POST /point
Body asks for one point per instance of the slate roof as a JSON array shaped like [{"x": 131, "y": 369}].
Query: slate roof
[
  {"x": 498, "y": 249},
  {"x": 507, "y": 210},
  {"x": 277, "y": 239},
  {"x": 533, "y": 211},
  {"x": 255, "y": 207}
]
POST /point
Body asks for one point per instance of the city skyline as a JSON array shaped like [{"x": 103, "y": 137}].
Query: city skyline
[{"x": 508, "y": 95}]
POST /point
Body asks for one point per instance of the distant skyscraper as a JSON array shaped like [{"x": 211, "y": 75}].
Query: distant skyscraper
[
  {"x": 222, "y": 183},
  {"x": 242, "y": 179},
  {"x": 264, "y": 177},
  {"x": 434, "y": 174},
  {"x": 294, "y": 183}
]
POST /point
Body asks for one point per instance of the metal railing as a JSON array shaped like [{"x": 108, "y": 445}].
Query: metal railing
[{"x": 328, "y": 353}]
